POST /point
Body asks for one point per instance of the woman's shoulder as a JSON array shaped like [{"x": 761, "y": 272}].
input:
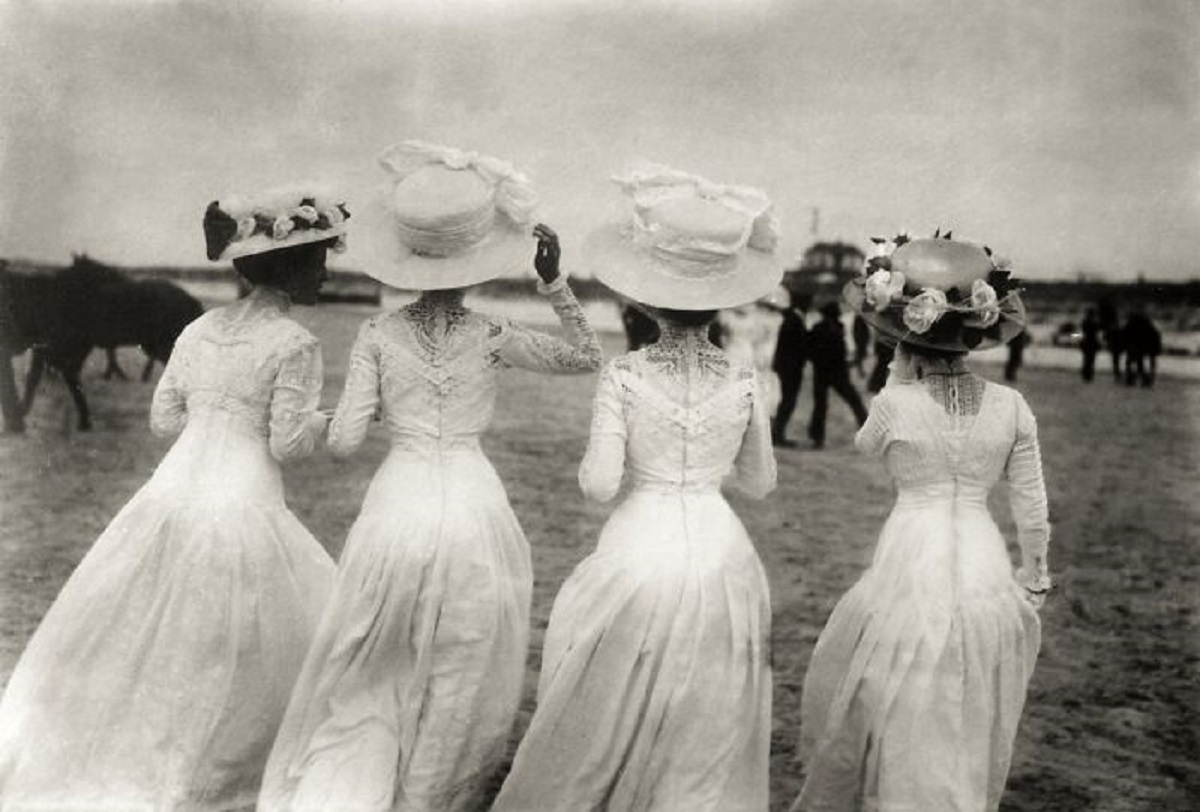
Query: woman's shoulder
[
  {"x": 623, "y": 365},
  {"x": 1015, "y": 404},
  {"x": 1007, "y": 394}
]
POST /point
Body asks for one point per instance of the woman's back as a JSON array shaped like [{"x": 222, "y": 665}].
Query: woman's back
[
  {"x": 677, "y": 415},
  {"x": 432, "y": 370},
  {"x": 924, "y": 445},
  {"x": 683, "y": 432},
  {"x": 242, "y": 385},
  {"x": 229, "y": 359}
]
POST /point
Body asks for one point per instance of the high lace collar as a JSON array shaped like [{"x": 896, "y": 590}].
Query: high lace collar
[
  {"x": 266, "y": 296},
  {"x": 925, "y": 366},
  {"x": 946, "y": 378},
  {"x": 672, "y": 336},
  {"x": 682, "y": 352},
  {"x": 446, "y": 301}
]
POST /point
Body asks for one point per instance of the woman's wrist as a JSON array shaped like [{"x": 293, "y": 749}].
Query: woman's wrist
[
  {"x": 1034, "y": 580},
  {"x": 556, "y": 284}
]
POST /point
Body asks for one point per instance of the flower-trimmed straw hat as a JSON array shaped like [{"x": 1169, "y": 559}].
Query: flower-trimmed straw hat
[
  {"x": 238, "y": 226},
  {"x": 690, "y": 244},
  {"x": 938, "y": 293},
  {"x": 452, "y": 218}
]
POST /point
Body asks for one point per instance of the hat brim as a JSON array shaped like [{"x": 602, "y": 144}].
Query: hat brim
[
  {"x": 504, "y": 252},
  {"x": 262, "y": 243},
  {"x": 612, "y": 258},
  {"x": 954, "y": 336}
]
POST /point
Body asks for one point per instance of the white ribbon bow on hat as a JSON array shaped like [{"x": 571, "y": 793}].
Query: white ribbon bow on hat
[
  {"x": 514, "y": 194},
  {"x": 651, "y": 184}
]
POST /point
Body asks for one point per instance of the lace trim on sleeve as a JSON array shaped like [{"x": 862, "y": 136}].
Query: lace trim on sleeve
[
  {"x": 529, "y": 349},
  {"x": 603, "y": 464},
  {"x": 296, "y": 425},
  {"x": 360, "y": 396}
]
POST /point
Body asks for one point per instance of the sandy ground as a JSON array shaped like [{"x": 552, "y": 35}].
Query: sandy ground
[{"x": 1113, "y": 719}]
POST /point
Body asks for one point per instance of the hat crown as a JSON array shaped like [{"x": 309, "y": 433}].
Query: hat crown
[
  {"x": 696, "y": 220},
  {"x": 438, "y": 195},
  {"x": 942, "y": 264},
  {"x": 690, "y": 244},
  {"x": 447, "y": 202}
]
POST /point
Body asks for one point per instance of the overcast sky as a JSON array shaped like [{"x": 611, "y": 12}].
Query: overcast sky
[{"x": 1065, "y": 133}]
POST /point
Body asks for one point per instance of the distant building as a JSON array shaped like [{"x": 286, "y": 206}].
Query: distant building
[{"x": 825, "y": 268}]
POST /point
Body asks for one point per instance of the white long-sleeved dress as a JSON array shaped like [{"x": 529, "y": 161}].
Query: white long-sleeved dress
[
  {"x": 158, "y": 678},
  {"x": 917, "y": 683},
  {"x": 655, "y": 689},
  {"x": 410, "y": 691}
]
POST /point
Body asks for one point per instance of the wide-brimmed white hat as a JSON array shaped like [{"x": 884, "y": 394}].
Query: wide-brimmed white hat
[
  {"x": 938, "y": 293},
  {"x": 241, "y": 225},
  {"x": 450, "y": 218},
  {"x": 690, "y": 244}
]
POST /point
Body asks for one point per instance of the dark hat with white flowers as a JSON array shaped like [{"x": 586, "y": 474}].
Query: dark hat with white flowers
[
  {"x": 938, "y": 293},
  {"x": 238, "y": 226}
]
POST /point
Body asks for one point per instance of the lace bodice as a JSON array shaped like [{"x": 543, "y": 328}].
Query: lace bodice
[
  {"x": 678, "y": 415},
  {"x": 251, "y": 366},
  {"x": 432, "y": 370},
  {"x": 938, "y": 455}
]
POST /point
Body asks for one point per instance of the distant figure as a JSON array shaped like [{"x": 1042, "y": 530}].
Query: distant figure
[
  {"x": 749, "y": 336},
  {"x": 861, "y": 332},
  {"x": 1016, "y": 356},
  {"x": 827, "y": 351},
  {"x": 1110, "y": 327},
  {"x": 1090, "y": 345},
  {"x": 640, "y": 329},
  {"x": 884, "y": 352},
  {"x": 1143, "y": 343},
  {"x": 791, "y": 353}
]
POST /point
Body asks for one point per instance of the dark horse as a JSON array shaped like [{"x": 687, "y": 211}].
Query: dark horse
[{"x": 62, "y": 316}]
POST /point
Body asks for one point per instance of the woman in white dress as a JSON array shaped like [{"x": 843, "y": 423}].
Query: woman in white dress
[
  {"x": 158, "y": 678},
  {"x": 916, "y": 685},
  {"x": 655, "y": 689},
  {"x": 409, "y": 695},
  {"x": 749, "y": 334}
]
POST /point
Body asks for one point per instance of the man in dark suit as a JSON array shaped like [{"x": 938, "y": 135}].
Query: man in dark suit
[
  {"x": 827, "y": 351},
  {"x": 790, "y": 355}
]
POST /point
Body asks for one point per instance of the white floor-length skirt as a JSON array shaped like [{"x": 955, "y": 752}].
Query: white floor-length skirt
[
  {"x": 158, "y": 678},
  {"x": 409, "y": 695},
  {"x": 918, "y": 681},
  {"x": 655, "y": 690}
]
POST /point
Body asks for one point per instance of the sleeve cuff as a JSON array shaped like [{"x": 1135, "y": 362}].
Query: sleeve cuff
[{"x": 558, "y": 285}]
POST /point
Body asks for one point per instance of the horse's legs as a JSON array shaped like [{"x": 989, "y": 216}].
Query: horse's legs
[
  {"x": 69, "y": 362},
  {"x": 154, "y": 352},
  {"x": 14, "y": 418},
  {"x": 33, "y": 376},
  {"x": 113, "y": 367},
  {"x": 71, "y": 376}
]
